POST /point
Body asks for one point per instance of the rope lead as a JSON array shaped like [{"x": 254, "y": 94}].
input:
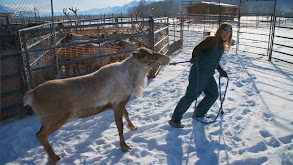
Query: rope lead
[{"x": 221, "y": 100}]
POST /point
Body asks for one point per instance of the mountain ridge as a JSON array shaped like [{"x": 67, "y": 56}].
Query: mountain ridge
[{"x": 108, "y": 10}]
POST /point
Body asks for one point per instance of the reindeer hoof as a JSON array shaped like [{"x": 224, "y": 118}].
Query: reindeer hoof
[
  {"x": 54, "y": 159},
  {"x": 125, "y": 148},
  {"x": 132, "y": 127}
]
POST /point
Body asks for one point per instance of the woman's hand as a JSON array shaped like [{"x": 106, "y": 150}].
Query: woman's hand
[
  {"x": 223, "y": 73},
  {"x": 193, "y": 60}
]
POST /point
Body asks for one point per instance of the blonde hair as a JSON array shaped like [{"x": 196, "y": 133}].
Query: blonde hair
[{"x": 227, "y": 43}]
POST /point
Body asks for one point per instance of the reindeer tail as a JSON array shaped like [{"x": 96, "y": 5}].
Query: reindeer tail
[{"x": 28, "y": 98}]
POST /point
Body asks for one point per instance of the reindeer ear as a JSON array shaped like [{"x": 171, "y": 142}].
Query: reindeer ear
[
  {"x": 141, "y": 52},
  {"x": 136, "y": 52}
]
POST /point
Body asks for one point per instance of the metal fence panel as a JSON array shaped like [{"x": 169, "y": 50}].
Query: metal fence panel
[
  {"x": 283, "y": 40},
  {"x": 16, "y": 15}
]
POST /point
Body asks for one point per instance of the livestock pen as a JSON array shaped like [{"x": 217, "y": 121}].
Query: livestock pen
[
  {"x": 72, "y": 48},
  {"x": 32, "y": 53}
]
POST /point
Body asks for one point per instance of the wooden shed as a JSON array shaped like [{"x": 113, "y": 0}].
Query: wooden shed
[
  {"x": 4, "y": 18},
  {"x": 211, "y": 8}
]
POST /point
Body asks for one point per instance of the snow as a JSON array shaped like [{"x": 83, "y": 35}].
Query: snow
[{"x": 257, "y": 127}]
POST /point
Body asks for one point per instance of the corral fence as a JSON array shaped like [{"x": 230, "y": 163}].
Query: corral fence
[
  {"x": 267, "y": 34},
  {"x": 41, "y": 50},
  {"x": 65, "y": 49},
  {"x": 264, "y": 35}
]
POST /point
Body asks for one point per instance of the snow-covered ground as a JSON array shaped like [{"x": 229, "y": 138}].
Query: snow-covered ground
[{"x": 257, "y": 127}]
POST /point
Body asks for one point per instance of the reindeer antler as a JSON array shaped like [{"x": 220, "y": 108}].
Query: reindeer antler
[
  {"x": 75, "y": 12},
  {"x": 65, "y": 12},
  {"x": 67, "y": 15}
]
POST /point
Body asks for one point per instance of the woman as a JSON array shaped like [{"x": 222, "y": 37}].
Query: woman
[{"x": 206, "y": 55}]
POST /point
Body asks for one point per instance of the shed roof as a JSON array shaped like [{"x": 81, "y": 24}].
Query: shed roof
[
  {"x": 5, "y": 14},
  {"x": 215, "y": 4}
]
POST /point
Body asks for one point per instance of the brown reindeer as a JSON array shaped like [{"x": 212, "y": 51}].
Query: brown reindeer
[{"x": 57, "y": 101}]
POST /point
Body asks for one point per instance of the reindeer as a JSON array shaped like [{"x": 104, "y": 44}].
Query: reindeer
[{"x": 57, "y": 101}]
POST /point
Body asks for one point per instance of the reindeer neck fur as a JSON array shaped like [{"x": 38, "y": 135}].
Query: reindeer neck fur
[{"x": 137, "y": 71}]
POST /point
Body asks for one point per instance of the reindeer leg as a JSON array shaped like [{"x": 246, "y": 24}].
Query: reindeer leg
[
  {"x": 118, "y": 113},
  {"x": 78, "y": 68},
  {"x": 129, "y": 123},
  {"x": 67, "y": 69},
  {"x": 74, "y": 69},
  {"x": 43, "y": 134},
  {"x": 43, "y": 138}
]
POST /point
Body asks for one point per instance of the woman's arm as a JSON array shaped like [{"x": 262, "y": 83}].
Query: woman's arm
[
  {"x": 221, "y": 71},
  {"x": 205, "y": 45}
]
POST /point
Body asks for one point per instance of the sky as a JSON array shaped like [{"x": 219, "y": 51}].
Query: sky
[
  {"x": 89, "y": 4},
  {"x": 44, "y": 5}
]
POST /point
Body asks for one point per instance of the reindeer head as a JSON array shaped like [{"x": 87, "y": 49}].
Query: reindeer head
[{"x": 148, "y": 56}]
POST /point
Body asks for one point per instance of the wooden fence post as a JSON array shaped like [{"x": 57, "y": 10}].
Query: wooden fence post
[
  {"x": 181, "y": 28},
  {"x": 271, "y": 37},
  {"x": 151, "y": 25}
]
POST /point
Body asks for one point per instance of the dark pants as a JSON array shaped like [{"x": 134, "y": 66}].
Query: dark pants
[{"x": 206, "y": 84}]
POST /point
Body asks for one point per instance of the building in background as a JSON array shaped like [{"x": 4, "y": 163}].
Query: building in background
[{"x": 210, "y": 8}]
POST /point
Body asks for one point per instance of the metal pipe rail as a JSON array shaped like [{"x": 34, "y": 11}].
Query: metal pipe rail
[
  {"x": 160, "y": 18},
  {"x": 283, "y": 53},
  {"x": 284, "y": 45},
  {"x": 255, "y": 46},
  {"x": 35, "y": 27},
  {"x": 72, "y": 44},
  {"x": 284, "y": 37},
  {"x": 282, "y": 60},
  {"x": 79, "y": 60},
  {"x": 252, "y": 52},
  {"x": 253, "y": 40},
  {"x": 166, "y": 37},
  {"x": 284, "y": 27},
  {"x": 254, "y": 33},
  {"x": 84, "y": 26},
  {"x": 163, "y": 48},
  {"x": 159, "y": 30}
]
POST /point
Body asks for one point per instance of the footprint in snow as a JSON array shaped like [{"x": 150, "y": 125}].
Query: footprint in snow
[
  {"x": 239, "y": 84},
  {"x": 251, "y": 103},
  {"x": 246, "y": 111},
  {"x": 267, "y": 116},
  {"x": 269, "y": 139},
  {"x": 265, "y": 133},
  {"x": 230, "y": 98}
]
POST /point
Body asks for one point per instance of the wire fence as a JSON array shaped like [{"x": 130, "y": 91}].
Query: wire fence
[{"x": 16, "y": 15}]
